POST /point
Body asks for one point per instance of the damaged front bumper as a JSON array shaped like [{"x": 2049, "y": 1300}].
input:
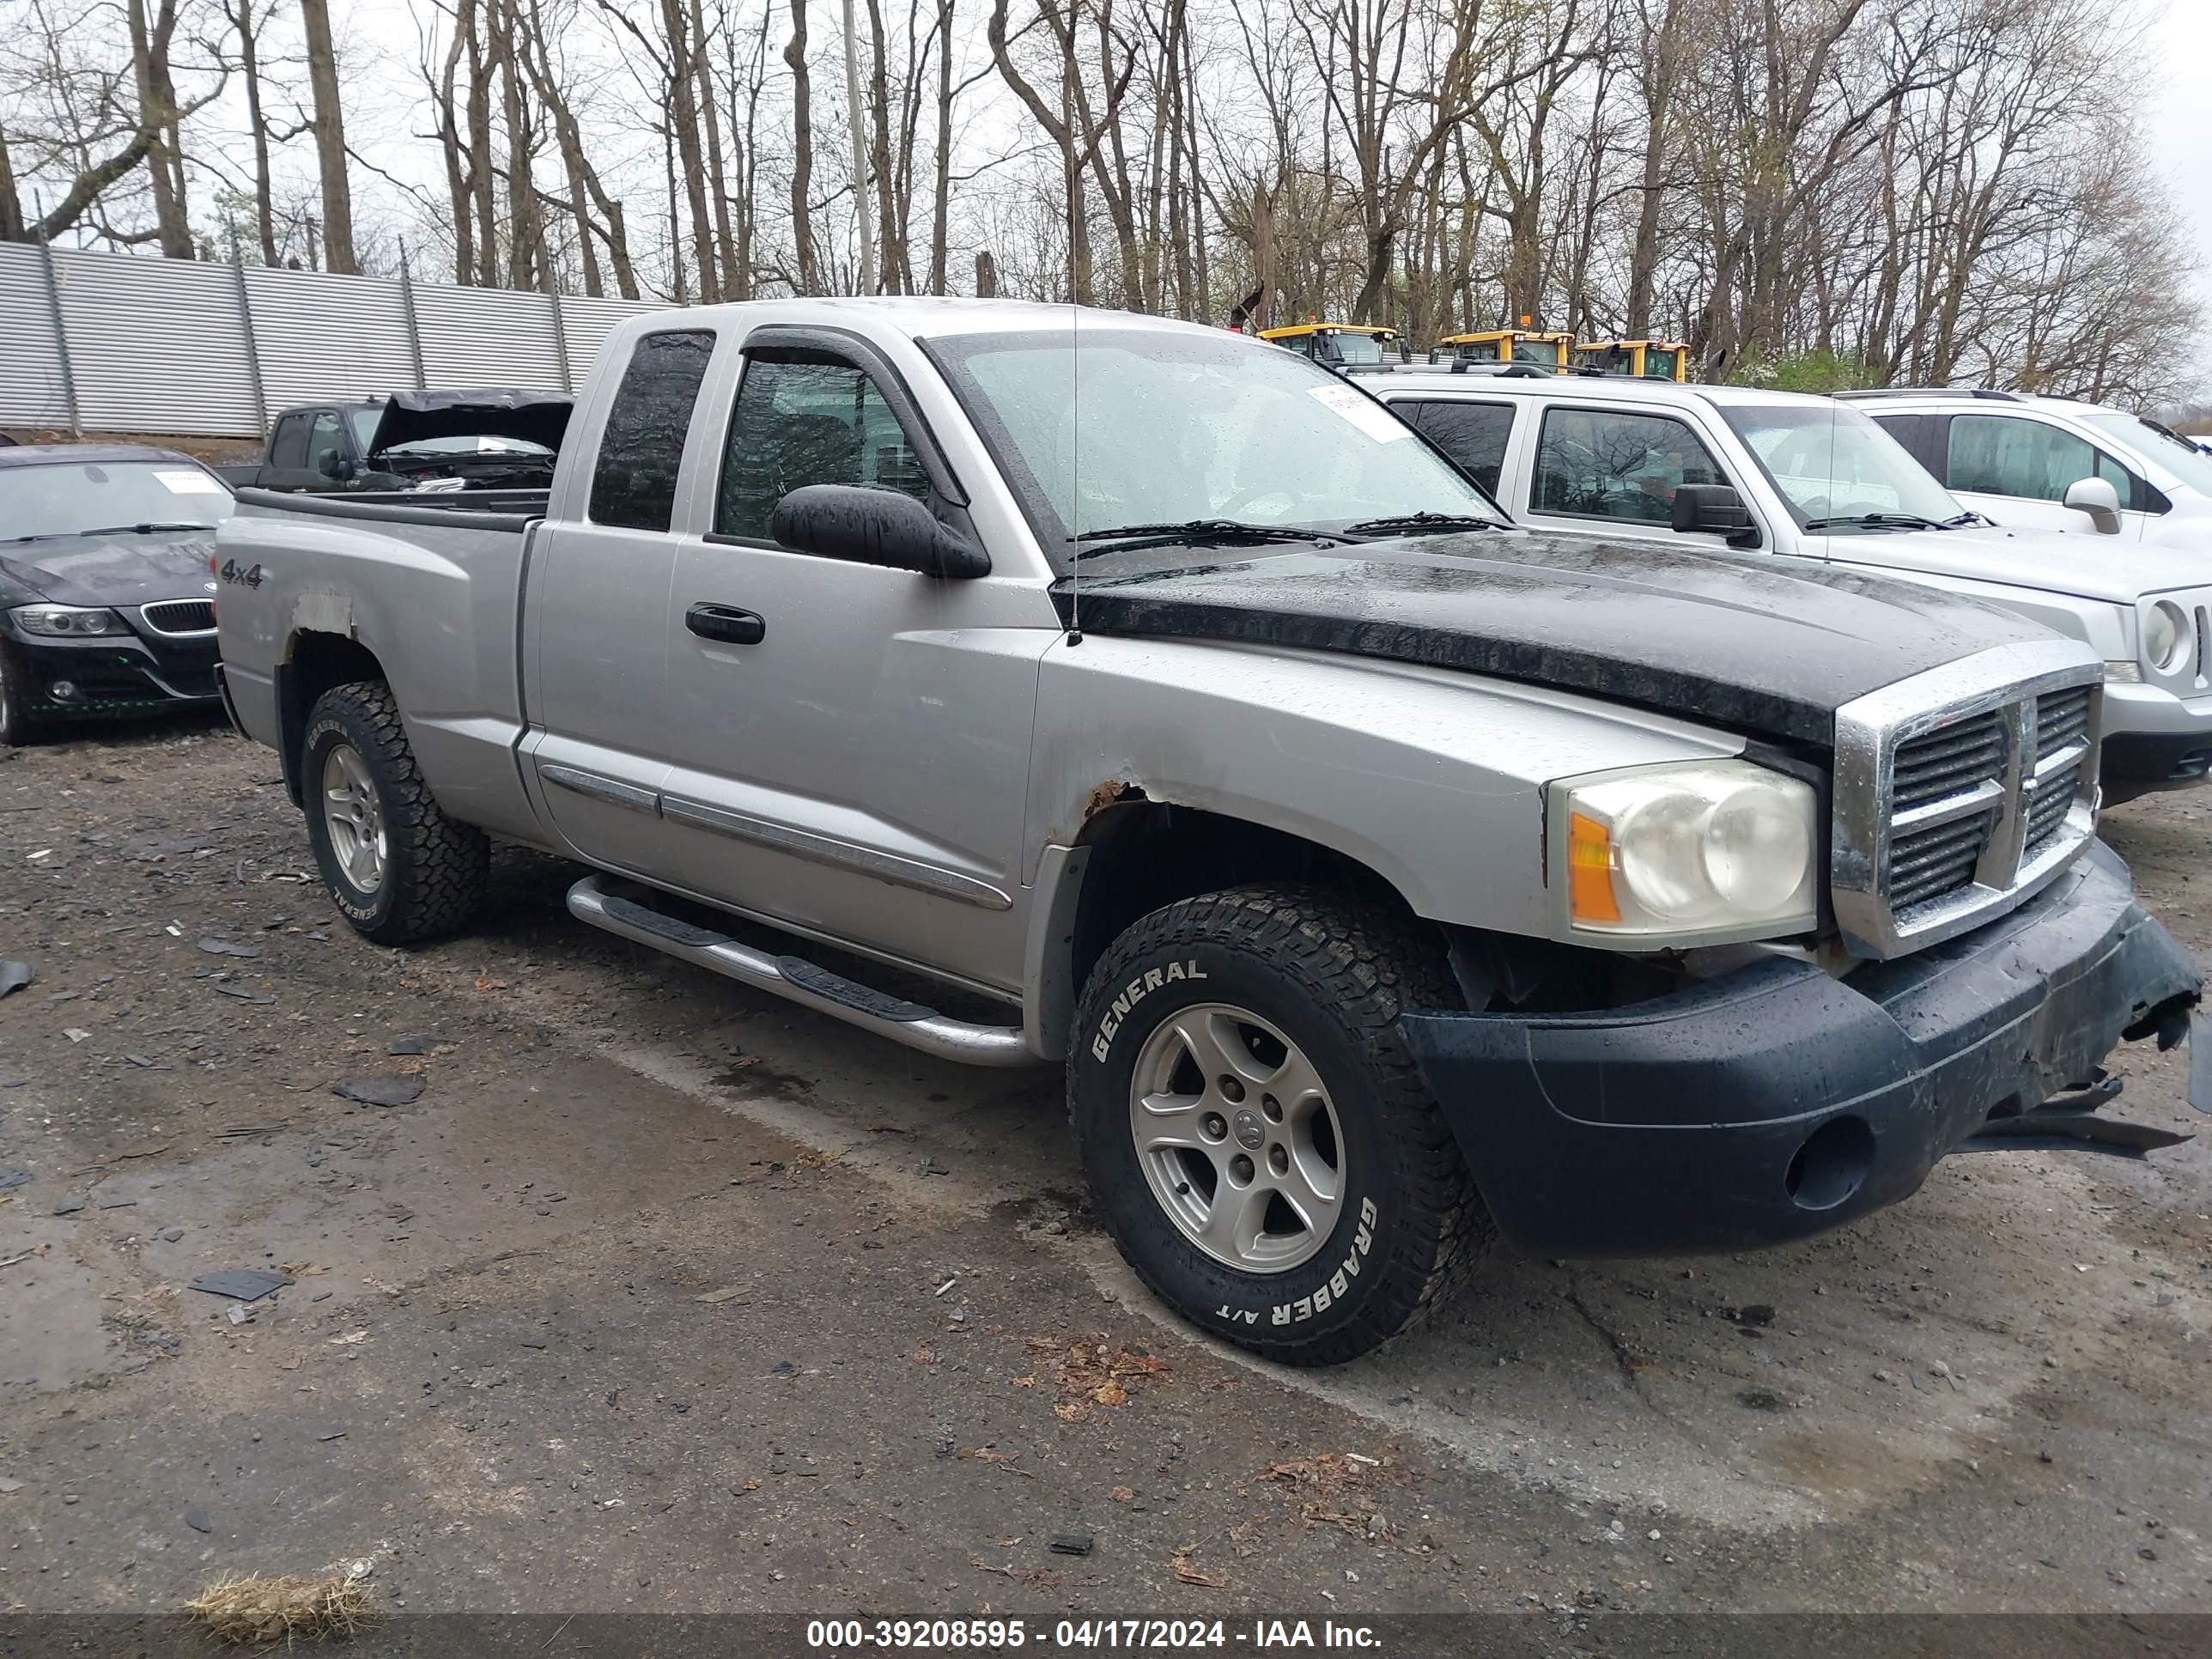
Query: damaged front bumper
[{"x": 1779, "y": 1101}]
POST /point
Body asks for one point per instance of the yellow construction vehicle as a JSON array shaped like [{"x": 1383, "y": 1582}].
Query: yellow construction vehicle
[
  {"x": 1510, "y": 345},
  {"x": 1338, "y": 344},
  {"x": 1642, "y": 360}
]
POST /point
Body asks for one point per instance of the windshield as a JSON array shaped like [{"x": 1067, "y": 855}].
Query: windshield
[
  {"x": 363, "y": 418},
  {"x": 1833, "y": 464},
  {"x": 2176, "y": 455},
  {"x": 1356, "y": 348},
  {"x": 1175, "y": 425},
  {"x": 70, "y": 496},
  {"x": 474, "y": 444}
]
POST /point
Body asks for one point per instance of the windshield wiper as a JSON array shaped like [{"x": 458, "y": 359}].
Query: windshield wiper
[
  {"x": 1966, "y": 519},
  {"x": 146, "y": 528},
  {"x": 1415, "y": 523},
  {"x": 1877, "y": 521},
  {"x": 1199, "y": 531}
]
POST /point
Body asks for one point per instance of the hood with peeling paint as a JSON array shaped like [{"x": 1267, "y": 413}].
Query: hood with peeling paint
[{"x": 1728, "y": 638}]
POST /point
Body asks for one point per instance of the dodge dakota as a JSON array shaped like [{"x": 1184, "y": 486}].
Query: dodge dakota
[{"x": 1026, "y": 686}]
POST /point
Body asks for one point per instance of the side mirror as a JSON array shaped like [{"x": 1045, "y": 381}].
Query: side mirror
[
  {"x": 1714, "y": 510},
  {"x": 335, "y": 467},
  {"x": 866, "y": 525},
  {"x": 2097, "y": 498}
]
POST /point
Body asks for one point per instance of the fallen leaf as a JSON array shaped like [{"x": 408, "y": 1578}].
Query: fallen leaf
[
  {"x": 1188, "y": 1574},
  {"x": 486, "y": 982},
  {"x": 1029, "y": 1381},
  {"x": 752, "y": 1484},
  {"x": 1072, "y": 1411},
  {"x": 923, "y": 1356},
  {"x": 1123, "y": 1494},
  {"x": 1110, "y": 1394}
]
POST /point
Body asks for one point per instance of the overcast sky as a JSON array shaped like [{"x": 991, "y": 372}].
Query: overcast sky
[{"x": 2181, "y": 134}]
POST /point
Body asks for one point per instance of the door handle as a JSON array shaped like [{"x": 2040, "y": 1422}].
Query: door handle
[{"x": 726, "y": 622}]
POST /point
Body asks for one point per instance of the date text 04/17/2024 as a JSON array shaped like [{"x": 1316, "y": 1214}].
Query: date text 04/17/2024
[{"x": 1008, "y": 1635}]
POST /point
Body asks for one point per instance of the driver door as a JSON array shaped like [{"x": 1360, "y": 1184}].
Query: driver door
[{"x": 848, "y": 743}]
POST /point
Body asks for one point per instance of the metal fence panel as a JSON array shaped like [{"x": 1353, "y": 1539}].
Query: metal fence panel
[
  {"x": 588, "y": 322},
  {"x": 319, "y": 335},
  {"x": 33, "y": 389},
  {"x": 482, "y": 337},
  {"x": 156, "y": 345},
  {"x": 174, "y": 345}
]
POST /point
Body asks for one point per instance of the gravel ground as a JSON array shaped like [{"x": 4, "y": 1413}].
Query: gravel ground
[{"x": 664, "y": 1296}]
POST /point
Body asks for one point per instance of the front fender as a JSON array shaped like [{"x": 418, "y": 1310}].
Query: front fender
[{"x": 1431, "y": 778}]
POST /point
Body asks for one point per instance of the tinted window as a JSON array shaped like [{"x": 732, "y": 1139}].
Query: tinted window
[
  {"x": 807, "y": 418},
  {"x": 634, "y": 483},
  {"x": 1473, "y": 434},
  {"x": 1595, "y": 464},
  {"x": 288, "y": 448},
  {"x": 326, "y": 440},
  {"x": 2000, "y": 455}
]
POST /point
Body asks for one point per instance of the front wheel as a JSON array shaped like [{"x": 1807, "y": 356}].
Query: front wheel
[
  {"x": 1260, "y": 1143},
  {"x": 400, "y": 870}
]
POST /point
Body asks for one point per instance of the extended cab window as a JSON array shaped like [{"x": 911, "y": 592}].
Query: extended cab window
[
  {"x": 2002, "y": 455},
  {"x": 1473, "y": 434},
  {"x": 1600, "y": 464},
  {"x": 288, "y": 448},
  {"x": 807, "y": 417},
  {"x": 633, "y": 484}
]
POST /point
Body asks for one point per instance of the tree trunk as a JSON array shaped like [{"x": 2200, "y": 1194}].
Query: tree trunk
[
  {"x": 528, "y": 259},
  {"x": 257, "y": 127},
  {"x": 802, "y": 150},
  {"x": 157, "y": 105},
  {"x": 482, "y": 185},
  {"x": 718, "y": 179},
  {"x": 11, "y": 205},
  {"x": 329, "y": 128},
  {"x": 941, "y": 203}
]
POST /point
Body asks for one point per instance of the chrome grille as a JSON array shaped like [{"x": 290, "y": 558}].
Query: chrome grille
[
  {"x": 1960, "y": 792},
  {"x": 179, "y": 615},
  {"x": 1926, "y": 864},
  {"x": 2061, "y": 718},
  {"x": 1944, "y": 762}
]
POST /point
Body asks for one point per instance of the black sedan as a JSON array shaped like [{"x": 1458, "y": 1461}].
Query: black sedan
[{"x": 106, "y": 602}]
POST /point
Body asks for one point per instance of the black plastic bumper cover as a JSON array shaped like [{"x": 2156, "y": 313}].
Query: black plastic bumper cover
[{"x": 1683, "y": 1124}]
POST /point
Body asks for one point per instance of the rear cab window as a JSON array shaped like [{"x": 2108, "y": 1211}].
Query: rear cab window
[
  {"x": 1613, "y": 466},
  {"x": 1473, "y": 434},
  {"x": 641, "y": 451}
]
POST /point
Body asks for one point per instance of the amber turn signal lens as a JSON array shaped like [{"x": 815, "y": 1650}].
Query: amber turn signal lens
[{"x": 1589, "y": 871}]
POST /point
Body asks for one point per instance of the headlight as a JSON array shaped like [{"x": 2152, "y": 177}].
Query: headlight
[
  {"x": 2168, "y": 636},
  {"x": 67, "y": 621},
  {"x": 1692, "y": 854}
]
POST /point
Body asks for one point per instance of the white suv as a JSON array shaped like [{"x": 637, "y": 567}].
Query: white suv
[
  {"x": 1783, "y": 476},
  {"x": 2053, "y": 463}
]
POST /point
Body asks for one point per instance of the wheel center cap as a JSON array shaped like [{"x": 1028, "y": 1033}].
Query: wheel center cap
[{"x": 1250, "y": 1134}]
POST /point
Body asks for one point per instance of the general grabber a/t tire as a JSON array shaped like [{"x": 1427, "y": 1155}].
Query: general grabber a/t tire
[
  {"x": 1254, "y": 1130},
  {"x": 399, "y": 868}
]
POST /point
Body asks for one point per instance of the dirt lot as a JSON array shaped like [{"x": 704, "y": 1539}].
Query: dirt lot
[{"x": 665, "y": 1296}]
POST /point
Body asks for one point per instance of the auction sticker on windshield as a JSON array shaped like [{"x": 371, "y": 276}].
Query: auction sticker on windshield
[
  {"x": 1362, "y": 411},
  {"x": 180, "y": 481}
]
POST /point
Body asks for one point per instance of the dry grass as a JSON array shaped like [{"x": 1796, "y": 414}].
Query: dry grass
[{"x": 261, "y": 1612}]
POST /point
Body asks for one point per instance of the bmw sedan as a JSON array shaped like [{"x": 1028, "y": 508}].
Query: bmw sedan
[{"x": 106, "y": 603}]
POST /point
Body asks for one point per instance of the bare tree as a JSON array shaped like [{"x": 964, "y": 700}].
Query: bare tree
[{"x": 329, "y": 135}]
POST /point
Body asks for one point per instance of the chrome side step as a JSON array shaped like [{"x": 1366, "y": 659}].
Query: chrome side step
[{"x": 801, "y": 981}]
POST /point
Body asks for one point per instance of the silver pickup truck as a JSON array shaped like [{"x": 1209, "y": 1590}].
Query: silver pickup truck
[{"x": 1029, "y": 685}]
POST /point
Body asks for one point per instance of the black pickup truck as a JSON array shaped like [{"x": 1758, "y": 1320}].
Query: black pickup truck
[{"x": 415, "y": 442}]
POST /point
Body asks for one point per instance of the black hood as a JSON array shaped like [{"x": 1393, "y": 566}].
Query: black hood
[
  {"x": 1729, "y": 638},
  {"x": 408, "y": 417},
  {"x": 123, "y": 569}
]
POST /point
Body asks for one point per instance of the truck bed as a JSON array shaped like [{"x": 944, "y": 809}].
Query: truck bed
[{"x": 475, "y": 509}]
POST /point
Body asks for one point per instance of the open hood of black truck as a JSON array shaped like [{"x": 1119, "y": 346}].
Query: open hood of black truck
[{"x": 1733, "y": 639}]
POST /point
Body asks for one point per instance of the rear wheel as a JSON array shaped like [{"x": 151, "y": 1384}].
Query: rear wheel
[
  {"x": 1263, "y": 1149},
  {"x": 396, "y": 865}
]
